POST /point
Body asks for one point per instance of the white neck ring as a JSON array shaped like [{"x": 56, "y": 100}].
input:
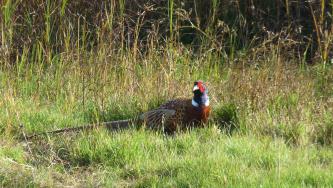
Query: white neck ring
[{"x": 195, "y": 104}]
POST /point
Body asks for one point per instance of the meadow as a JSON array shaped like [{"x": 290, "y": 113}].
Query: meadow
[{"x": 272, "y": 118}]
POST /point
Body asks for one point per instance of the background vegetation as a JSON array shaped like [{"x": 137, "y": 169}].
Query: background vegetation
[{"x": 267, "y": 65}]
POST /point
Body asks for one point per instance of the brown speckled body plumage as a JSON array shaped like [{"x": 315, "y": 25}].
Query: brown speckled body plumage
[{"x": 175, "y": 115}]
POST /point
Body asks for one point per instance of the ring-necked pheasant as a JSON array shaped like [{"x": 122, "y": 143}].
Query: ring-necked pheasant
[{"x": 178, "y": 114}]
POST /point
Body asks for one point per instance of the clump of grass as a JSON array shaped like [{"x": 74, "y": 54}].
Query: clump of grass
[
  {"x": 227, "y": 117},
  {"x": 292, "y": 134},
  {"x": 13, "y": 174},
  {"x": 283, "y": 102},
  {"x": 323, "y": 131},
  {"x": 323, "y": 81},
  {"x": 13, "y": 168}
]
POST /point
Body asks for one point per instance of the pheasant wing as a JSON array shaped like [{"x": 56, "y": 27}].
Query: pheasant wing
[{"x": 157, "y": 118}]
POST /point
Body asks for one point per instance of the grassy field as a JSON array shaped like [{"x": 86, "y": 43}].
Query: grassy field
[
  {"x": 272, "y": 125},
  {"x": 272, "y": 121}
]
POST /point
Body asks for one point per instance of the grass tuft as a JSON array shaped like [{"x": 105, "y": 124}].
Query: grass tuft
[{"x": 227, "y": 117}]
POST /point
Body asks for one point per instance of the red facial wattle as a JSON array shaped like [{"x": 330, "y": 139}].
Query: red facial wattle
[{"x": 201, "y": 87}]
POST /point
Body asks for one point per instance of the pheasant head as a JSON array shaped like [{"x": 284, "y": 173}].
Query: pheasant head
[{"x": 200, "y": 92}]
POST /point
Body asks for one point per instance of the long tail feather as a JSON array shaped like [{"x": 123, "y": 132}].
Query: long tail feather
[
  {"x": 154, "y": 118},
  {"x": 111, "y": 125}
]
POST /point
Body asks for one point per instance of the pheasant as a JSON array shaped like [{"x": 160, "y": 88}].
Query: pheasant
[{"x": 178, "y": 114}]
